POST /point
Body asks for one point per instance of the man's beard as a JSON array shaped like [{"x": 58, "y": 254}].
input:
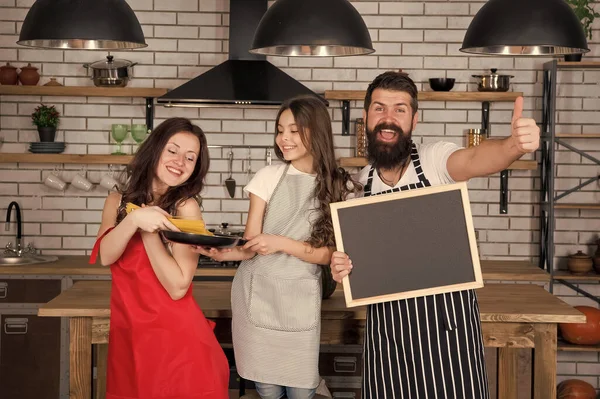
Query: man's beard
[{"x": 388, "y": 155}]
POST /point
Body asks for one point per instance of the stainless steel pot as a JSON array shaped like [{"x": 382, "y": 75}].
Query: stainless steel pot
[
  {"x": 493, "y": 81},
  {"x": 111, "y": 72}
]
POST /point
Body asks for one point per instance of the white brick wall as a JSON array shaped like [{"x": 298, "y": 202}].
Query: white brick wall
[{"x": 188, "y": 37}]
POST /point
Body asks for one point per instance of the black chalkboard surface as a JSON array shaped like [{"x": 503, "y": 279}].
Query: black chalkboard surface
[{"x": 407, "y": 244}]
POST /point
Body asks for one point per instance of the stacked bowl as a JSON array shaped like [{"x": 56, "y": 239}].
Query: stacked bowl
[{"x": 55, "y": 147}]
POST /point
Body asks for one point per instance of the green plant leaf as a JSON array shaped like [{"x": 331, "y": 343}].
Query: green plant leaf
[
  {"x": 45, "y": 116},
  {"x": 585, "y": 13}
]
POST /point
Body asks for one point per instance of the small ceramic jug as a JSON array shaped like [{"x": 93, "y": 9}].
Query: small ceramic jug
[
  {"x": 579, "y": 263},
  {"x": 8, "y": 75},
  {"x": 29, "y": 75}
]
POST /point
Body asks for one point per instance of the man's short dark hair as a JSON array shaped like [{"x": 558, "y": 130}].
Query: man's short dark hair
[{"x": 396, "y": 81}]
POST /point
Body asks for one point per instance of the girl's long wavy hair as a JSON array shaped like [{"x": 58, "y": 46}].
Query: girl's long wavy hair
[
  {"x": 141, "y": 171},
  {"x": 333, "y": 183}
]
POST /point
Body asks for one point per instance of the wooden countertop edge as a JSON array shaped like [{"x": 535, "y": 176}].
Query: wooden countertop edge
[
  {"x": 338, "y": 315},
  {"x": 553, "y": 311},
  {"x": 215, "y": 272},
  {"x": 78, "y": 266},
  {"x": 343, "y": 314},
  {"x": 95, "y": 271}
]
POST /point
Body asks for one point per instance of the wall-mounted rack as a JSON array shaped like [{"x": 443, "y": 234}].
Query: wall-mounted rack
[
  {"x": 106, "y": 159},
  {"x": 548, "y": 198},
  {"x": 90, "y": 91}
]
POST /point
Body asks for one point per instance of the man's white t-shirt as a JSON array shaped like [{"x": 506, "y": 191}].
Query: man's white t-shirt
[
  {"x": 265, "y": 180},
  {"x": 433, "y": 156}
]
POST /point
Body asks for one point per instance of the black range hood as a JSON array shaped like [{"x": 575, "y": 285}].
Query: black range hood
[{"x": 244, "y": 79}]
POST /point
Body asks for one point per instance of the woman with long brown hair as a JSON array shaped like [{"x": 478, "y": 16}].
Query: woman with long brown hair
[
  {"x": 160, "y": 343},
  {"x": 276, "y": 292}
]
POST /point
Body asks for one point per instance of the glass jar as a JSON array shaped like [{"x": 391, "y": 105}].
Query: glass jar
[
  {"x": 476, "y": 136},
  {"x": 361, "y": 138}
]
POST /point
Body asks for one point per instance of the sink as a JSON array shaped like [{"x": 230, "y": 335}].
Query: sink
[{"x": 26, "y": 260}]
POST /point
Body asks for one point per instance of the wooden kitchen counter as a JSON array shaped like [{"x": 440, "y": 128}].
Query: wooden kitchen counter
[
  {"x": 78, "y": 265},
  {"x": 513, "y": 316},
  {"x": 508, "y": 303}
]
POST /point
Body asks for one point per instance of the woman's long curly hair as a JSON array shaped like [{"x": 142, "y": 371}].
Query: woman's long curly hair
[
  {"x": 141, "y": 171},
  {"x": 333, "y": 183}
]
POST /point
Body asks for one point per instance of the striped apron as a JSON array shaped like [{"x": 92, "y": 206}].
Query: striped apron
[
  {"x": 427, "y": 347},
  {"x": 276, "y": 299}
]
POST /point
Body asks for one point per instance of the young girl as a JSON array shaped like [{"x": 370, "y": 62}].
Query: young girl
[
  {"x": 276, "y": 292},
  {"x": 161, "y": 346}
]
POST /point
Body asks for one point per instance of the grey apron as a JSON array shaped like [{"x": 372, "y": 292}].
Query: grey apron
[
  {"x": 428, "y": 347},
  {"x": 276, "y": 299}
]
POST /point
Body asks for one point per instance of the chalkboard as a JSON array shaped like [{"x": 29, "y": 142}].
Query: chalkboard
[{"x": 407, "y": 244}]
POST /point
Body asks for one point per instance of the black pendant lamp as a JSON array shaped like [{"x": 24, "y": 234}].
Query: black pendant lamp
[
  {"x": 312, "y": 28},
  {"x": 82, "y": 24},
  {"x": 525, "y": 27}
]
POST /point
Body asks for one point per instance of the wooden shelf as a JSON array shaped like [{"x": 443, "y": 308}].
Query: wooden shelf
[
  {"x": 432, "y": 95},
  {"x": 360, "y": 162},
  {"x": 512, "y": 270},
  {"x": 576, "y": 206},
  {"x": 66, "y": 158},
  {"x": 565, "y": 275},
  {"x": 578, "y": 64},
  {"x": 565, "y": 346},
  {"x": 82, "y": 91},
  {"x": 577, "y": 135}
]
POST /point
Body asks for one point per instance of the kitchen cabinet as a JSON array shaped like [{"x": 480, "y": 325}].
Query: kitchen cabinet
[
  {"x": 28, "y": 291},
  {"x": 30, "y": 346},
  {"x": 29, "y": 357}
]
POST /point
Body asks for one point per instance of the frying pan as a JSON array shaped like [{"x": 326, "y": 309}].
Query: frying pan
[{"x": 202, "y": 240}]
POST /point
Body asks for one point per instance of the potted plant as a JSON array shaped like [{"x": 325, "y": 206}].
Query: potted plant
[
  {"x": 586, "y": 14},
  {"x": 46, "y": 118}
]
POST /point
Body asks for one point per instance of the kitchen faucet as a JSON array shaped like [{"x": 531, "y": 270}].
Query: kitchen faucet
[{"x": 18, "y": 250}]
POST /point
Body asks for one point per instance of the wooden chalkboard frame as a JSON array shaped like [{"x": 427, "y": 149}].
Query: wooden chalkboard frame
[{"x": 460, "y": 189}]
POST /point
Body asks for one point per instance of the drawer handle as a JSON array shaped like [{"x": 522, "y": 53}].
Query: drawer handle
[
  {"x": 3, "y": 290},
  {"x": 344, "y": 395},
  {"x": 343, "y": 364},
  {"x": 15, "y": 325}
]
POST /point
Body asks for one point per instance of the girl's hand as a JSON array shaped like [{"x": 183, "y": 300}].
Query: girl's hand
[
  {"x": 341, "y": 265},
  {"x": 151, "y": 219},
  {"x": 211, "y": 252},
  {"x": 265, "y": 244}
]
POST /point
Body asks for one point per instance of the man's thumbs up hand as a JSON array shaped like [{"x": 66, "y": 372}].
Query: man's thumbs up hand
[{"x": 524, "y": 131}]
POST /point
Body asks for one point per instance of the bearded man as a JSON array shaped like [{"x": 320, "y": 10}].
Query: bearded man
[{"x": 431, "y": 346}]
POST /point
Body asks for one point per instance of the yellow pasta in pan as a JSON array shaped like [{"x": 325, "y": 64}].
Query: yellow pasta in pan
[{"x": 185, "y": 225}]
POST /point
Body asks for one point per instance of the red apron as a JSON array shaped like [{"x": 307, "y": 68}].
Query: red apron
[{"x": 159, "y": 348}]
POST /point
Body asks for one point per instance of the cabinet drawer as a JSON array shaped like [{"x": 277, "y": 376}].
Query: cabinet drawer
[
  {"x": 341, "y": 361},
  {"x": 345, "y": 393},
  {"x": 29, "y": 357},
  {"x": 28, "y": 291},
  {"x": 344, "y": 387}
]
